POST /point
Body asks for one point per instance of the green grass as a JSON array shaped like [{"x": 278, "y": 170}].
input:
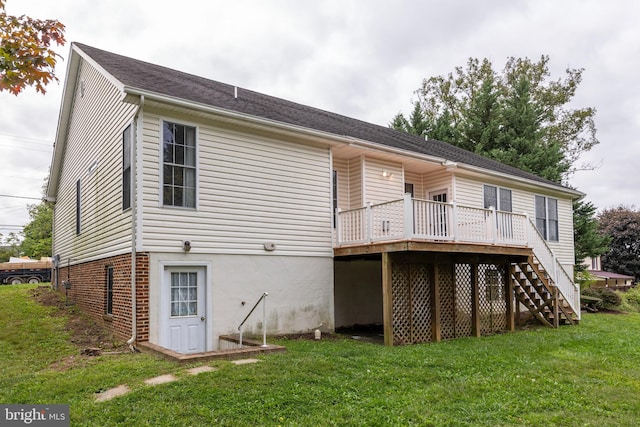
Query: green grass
[{"x": 587, "y": 375}]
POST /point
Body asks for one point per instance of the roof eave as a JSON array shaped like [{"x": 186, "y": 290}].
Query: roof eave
[
  {"x": 234, "y": 116},
  {"x": 66, "y": 104},
  {"x": 327, "y": 137}
]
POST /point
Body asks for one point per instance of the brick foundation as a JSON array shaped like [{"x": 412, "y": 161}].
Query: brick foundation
[{"x": 89, "y": 292}]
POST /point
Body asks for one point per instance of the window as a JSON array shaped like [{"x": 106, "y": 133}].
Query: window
[
  {"x": 497, "y": 197},
  {"x": 126, "y": 168},
  {"x": 78, "y": 207},
  {"x": 184, "y": 294},
  {"x": 547, "y": 217},
  {"x": 334, "y": 191},
  {"x": 178, "y": 165},
  {"x": 109, "y": 302}
]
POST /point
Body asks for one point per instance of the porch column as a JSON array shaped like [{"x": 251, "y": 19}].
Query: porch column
[
  {"x": 509, "y": 297},
  {"x": 387, "y": 299},
  {"x": 476, "y": 322},
  {"x": 435, "y": 304}
]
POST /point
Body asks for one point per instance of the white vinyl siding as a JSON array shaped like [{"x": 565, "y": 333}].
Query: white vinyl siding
[
  {"x": 93, "y": 155},
  {"x": 252, "y": 190},
  {"x": 355, "y": 183},
  {"x": 341, "y": 166},
  {"x": 416, "y": 180},
  {"x": 378, "y": 187},
  {"x": 436, "y": 182}
]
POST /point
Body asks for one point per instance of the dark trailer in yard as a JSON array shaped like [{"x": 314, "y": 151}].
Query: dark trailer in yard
[{"x": 13, "y": 273}]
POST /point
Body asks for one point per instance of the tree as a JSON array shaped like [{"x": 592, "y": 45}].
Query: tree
[
  {"x": 622, "y": 225},
  {"x": 38, "y": 232},
  {"x": 518, "y": 117},
  {"x": 26, "y": 55},
  {"x": 589, "y": 240}
]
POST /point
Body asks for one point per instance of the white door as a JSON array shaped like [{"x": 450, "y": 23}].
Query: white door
[
  {"x": 184, "y": 302},
  {"x": 439, "y": 225}
]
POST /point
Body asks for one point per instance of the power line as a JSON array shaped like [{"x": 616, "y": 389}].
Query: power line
[
  {"x": 20, "y": 197},
  {"x": 35, "y": 140},
  {"x": 26, "y": 148}
]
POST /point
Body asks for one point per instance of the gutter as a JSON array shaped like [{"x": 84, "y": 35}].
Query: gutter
[{"x": 134, "y": 216}]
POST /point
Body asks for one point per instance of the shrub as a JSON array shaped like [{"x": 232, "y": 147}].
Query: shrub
[
  {"x": 610, "y": 299},
  {"x": 630, "y": 300}
]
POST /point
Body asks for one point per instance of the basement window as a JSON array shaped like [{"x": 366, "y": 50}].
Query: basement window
[{"x": 109, "y": 296}]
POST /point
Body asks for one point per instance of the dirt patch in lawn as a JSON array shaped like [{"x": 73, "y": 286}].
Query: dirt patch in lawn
[{"x": 91, "y": 338}]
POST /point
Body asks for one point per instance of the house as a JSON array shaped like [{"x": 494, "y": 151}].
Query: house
[
  {"x": 180, "y": 201},
  {"x": 607, "y": 279}
]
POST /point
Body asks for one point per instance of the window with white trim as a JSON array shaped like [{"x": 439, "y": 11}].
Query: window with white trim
[
  {"x": 497, "y": 197},
  {"x": 178, "y": 165},
  {"x": 547, "y": 217}
]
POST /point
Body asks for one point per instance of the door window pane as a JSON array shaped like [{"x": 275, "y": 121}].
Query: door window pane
[{"x": 184, "y": 294}]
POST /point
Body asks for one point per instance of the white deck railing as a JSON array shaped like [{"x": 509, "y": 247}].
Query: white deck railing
[
  {"x": 569, "y": 290},
  {"x": 415, "y": 219}
]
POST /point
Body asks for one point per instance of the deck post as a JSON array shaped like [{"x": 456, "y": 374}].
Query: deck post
[
  {"x": 476, "y": 322},
  {"x": 408, "y": 216},
  {"x": 508, "y": 285},
  {"x": 338, "y": 227},
  {"x": 369, "y": 230},
  {"x": 387, "y": 298},
  {"x": 436, "y": 334},
  {"x": 493, "y": 225},
  {"x": 454, "y": 209}
]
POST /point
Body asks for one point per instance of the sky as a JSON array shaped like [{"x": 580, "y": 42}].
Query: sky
[{"x": 360, "y": 58}]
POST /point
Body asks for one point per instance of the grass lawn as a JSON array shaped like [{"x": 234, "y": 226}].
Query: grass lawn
[{"x": 587, "y": 375}]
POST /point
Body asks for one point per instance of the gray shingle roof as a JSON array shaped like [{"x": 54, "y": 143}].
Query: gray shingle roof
[{"x": 165, "y": 81}]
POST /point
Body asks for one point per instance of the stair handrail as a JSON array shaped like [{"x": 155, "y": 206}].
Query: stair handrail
[
  {"x": 557, "y": 270},
  {"x": 262, "y": 298}
]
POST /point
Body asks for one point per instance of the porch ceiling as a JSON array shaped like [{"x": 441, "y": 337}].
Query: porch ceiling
[
  {"x": 409, "y": 163},
  {"x": 436, "y": 247}
]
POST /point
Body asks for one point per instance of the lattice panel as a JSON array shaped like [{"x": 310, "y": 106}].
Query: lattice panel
[
  {"x": 464, "y": 300},
  {"x": 492, "y": 300},
  {"x": 447, "y": 302},
  {"x": 411, "y": 303},
  {"x": 401, "y": 303},
  {"x": 420, "y": 303}
]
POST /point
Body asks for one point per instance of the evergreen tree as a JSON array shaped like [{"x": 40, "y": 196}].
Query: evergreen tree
[
  {"x": 589, "y": 240},
  {"x": 519, "y": 117}
]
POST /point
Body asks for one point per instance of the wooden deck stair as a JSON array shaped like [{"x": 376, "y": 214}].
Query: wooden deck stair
[{"x": 535, "y": 290}]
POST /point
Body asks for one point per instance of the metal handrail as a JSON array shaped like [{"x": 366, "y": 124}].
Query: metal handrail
[{"x": 264, "y": 318}]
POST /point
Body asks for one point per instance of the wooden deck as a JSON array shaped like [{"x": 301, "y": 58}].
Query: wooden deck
[{"x": 426, "y": 246}]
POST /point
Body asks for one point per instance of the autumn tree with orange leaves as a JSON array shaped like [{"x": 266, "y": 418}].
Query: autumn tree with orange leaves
[{"x": 26, "y": 55}]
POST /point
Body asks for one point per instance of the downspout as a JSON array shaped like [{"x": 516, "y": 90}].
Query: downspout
[{"x": 134, "y": 233}]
